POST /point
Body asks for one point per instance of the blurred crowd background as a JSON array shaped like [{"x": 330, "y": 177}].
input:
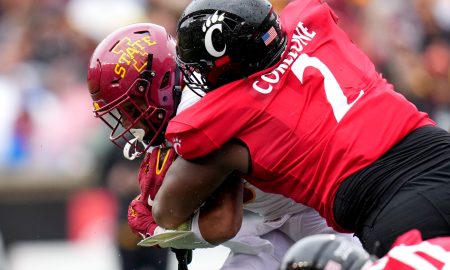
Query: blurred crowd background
[{"x": 62, "y": 181}]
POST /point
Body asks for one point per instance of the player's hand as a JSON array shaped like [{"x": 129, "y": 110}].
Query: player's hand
[
  {"x": 140, "y": 218},
  {"x": 184, "y": 237},
  {"x": 151, "y": 175},
  {"x": 142, "y": 223},
  {"x": 153, "y": 169}
]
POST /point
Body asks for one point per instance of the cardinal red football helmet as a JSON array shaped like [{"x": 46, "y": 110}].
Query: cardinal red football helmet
[{"x": 135, "y": 85}]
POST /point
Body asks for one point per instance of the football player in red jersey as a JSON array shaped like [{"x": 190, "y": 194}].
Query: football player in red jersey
[
  {"x": 409, "y": 252},
  {"x": 262, "y": 239},
  {"x": 135, "y": 87},
  {"x": 297, "y": 109}
]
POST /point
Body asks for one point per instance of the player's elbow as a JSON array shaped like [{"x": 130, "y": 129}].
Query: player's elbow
[
  {"x": 169, "y": 213},
  {"x": 224, "y": 233},
  {"x": 166, "y": 219},
  {"x": 158, "y": 216},
  {"x": 220, "y": 227}
]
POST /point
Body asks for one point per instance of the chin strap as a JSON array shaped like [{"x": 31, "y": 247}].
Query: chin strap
[{"x": 130, "y": 149}]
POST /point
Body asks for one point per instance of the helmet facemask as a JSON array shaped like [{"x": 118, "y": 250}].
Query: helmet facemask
[{"x": 192, "y": 73}]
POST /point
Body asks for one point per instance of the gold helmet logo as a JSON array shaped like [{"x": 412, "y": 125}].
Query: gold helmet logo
[{"x": 127, "y": 49}]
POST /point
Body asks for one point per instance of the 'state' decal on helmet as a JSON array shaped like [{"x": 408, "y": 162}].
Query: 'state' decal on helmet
[
  {"x": 213, "y": 23},
  {"x": 126, "y": 48}
]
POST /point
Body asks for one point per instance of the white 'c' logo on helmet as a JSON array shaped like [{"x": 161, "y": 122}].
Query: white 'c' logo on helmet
[{"x": 212, "y": 24}]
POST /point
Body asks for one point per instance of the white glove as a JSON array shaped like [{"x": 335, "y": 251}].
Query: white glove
[{"x": 186, "y": 236}]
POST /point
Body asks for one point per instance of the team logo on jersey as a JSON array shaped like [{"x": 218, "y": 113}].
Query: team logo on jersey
[
  {"x": 213, "y": 23},
  {"x": 132, "y": 211},
  {"x": 177, "y": 145}
]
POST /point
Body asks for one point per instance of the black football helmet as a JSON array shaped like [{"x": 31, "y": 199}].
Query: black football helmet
[
  {"x": 225, "y": 40},
  {"x": 325, "y": 251}
]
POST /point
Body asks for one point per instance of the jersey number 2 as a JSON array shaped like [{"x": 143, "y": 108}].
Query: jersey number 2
[{"x": 334, "y": 93}]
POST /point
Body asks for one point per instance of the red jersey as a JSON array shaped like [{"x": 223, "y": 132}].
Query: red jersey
[
  {"x": 316, "y": 117},
  {"x": 410, "y": 253}
]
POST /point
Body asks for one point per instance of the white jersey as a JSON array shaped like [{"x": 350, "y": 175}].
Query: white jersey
[{"x": 270, "y": 205}]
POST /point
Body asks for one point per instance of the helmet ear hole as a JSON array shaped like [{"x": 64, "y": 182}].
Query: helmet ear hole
[{"x": 165, "y": 80}]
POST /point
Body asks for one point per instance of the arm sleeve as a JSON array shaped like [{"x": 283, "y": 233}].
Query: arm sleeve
[{"x": 189, "y": 142}]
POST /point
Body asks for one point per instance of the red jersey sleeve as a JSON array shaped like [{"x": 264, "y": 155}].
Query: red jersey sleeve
[
  {"x": 185, "y": 139},
  {"x": 210, "y": 123}
]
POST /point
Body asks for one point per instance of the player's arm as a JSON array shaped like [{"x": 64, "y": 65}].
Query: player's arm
[
  {"x": 218, "y": 220},
  {"x": 221, "y": 216},
  {"x": 188, "y": 184}
]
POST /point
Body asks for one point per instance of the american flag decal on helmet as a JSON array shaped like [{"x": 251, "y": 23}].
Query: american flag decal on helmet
[{"x": 269, "y": 36}]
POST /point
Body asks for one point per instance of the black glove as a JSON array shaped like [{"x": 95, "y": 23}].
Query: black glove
[{"x": 184, "y": 257}]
